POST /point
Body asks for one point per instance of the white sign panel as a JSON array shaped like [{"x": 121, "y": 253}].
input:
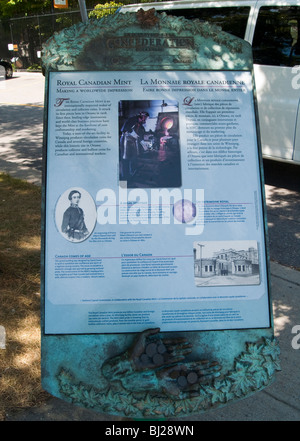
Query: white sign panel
[{"x": 154, "y": 211}]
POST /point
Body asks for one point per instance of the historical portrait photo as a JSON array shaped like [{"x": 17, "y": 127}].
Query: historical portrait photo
[
  {"x": 149, "y": 147},
  {"x": 75, "y": 214}
]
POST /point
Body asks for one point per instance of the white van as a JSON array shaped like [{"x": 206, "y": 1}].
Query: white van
[{"x": 272, "y": 27}]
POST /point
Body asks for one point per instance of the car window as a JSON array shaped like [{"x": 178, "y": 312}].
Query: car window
[
  {"x": 231, "y": 19},
  {"x": 276, "y": 39}
]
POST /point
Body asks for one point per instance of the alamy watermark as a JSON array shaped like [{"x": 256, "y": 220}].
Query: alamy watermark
[
  {"x": 155, "y": 206},
  {"x": 296, "y": 78},
  {"x": 296, "y": 339},
  {"x": 77, "y": 212}
]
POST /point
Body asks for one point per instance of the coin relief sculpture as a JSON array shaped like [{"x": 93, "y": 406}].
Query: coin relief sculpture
[{"x": 154, "y": 363}]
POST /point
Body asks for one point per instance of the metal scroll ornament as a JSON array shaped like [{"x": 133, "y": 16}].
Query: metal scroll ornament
[
  {"x": 80, "y": 46},
  {"x": 153, "y": 378},
  {"x": 147, "y": 19}
]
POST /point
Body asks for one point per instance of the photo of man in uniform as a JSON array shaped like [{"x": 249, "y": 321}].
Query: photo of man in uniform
[{"x": 73, "y": 224}]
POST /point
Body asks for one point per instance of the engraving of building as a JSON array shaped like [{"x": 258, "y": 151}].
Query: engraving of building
[{"x": 227, "y": 262}]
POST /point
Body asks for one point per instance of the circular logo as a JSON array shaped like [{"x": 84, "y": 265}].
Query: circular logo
[{"x": 184, "y": 211}]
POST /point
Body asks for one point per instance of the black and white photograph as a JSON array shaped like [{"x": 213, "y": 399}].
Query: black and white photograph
[
  {"x": 149, "y": 149},
  {"x": 226, "y": 263},
  {"x": 75, "y": 215}
]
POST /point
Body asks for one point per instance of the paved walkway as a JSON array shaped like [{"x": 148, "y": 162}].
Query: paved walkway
[{"x": 21, "y": 121}]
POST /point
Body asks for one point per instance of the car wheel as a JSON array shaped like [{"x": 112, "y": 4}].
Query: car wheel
[{"x": 8, "y": 72}]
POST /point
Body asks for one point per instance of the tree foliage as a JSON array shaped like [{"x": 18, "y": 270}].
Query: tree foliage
[
  {"x": 101, "y": 10},
  {"x": 19, "y": 8},
  {"x": 12, "y": 8}
]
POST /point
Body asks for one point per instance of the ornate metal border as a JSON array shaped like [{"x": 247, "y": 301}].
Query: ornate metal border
[
  {"x": 252, "y": 370},
  {"x": 62, "y": 49}
]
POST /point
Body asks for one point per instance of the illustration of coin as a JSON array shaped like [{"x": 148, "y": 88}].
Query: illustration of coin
[
  {"x": 192, "y": 377},
  {"x": 184, "y": 211},
  {"x": 151, "y": 349},
  {"x": 158, "y": 359},
  {"x": 145, "y": 359},
  {"x": 182, "y": 381},
  {"x": 161, "y": 349}
]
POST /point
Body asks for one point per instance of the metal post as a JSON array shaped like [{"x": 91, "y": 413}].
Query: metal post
[
  {"x": 83, "y": 11},
  {"x": 201, "y": 246},
  {"x": 11, "y": 34}
]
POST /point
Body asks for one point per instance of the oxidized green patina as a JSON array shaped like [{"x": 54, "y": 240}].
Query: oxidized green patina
[
  {"x": 153, "y": 374},
  {"x": 123, "y": 42}
]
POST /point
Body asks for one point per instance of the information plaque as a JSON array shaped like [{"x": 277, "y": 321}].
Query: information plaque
[
  {"x": 154, "y": 209},
  {"x": 155, "y": 280}
]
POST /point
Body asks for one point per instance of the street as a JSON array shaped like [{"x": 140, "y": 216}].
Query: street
[
  {"x": 21, "y": 122},
  {"x": 282, "y": 188}
]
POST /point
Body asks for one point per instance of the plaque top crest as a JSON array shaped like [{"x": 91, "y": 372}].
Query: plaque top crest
[{"x": 145, "y": 40}]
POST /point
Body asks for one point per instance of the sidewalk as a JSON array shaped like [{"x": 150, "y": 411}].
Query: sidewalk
[
  {"x": 278, "y": 402},
  {"x": 21, "y": 121}
]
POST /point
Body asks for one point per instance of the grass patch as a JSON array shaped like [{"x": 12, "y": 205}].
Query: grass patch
[{"x": 20, "y": 227}]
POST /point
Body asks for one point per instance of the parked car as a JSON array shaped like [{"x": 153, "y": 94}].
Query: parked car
[
  {"x": 272, "y": 27},
  {"x": 8, "y": 68}
]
